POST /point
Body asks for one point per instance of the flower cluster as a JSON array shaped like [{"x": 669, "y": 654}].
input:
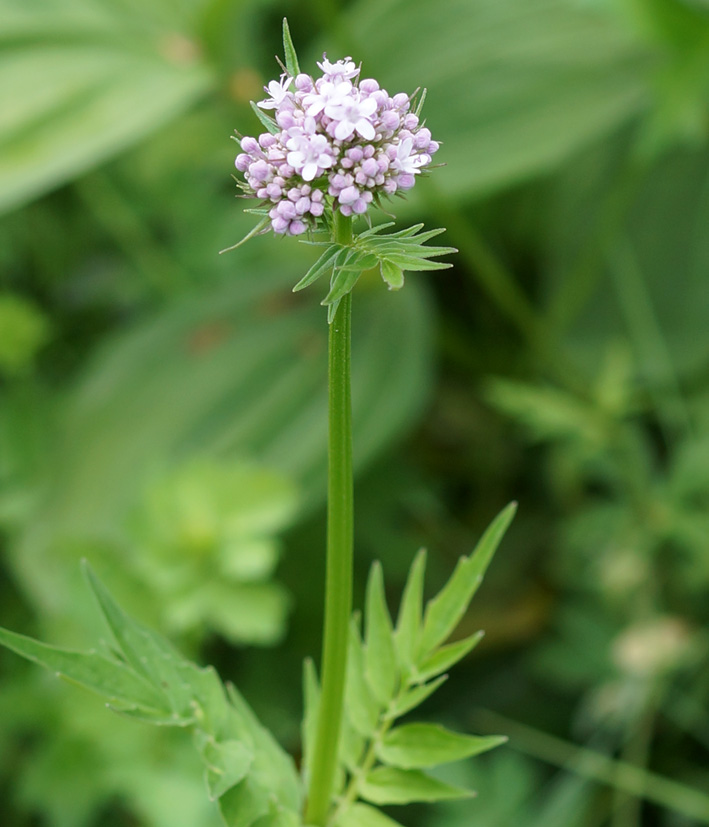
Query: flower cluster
[{"x": 336, "y": 139}]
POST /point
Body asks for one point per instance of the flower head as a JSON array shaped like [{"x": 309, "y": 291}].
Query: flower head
[{"x": 335, "y": 140}]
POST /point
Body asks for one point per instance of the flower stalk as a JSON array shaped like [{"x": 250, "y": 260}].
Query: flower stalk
[{"x": 338, "y": 589}]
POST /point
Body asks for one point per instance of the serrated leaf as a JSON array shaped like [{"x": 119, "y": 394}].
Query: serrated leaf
[
  {"x": 110, "y": 679},
  {"x": 360, "y": 706},
  {"x": 269, "y": 123},
  {"x": 415, "y": 746},
  {"x": 414, "y": 697},
  {"x": 289, "y": 51},
  {"x": 362, "y": 815},
  {"x": 320, "y": 268},
  {"x": 311, "y": 704},
  {"x": 227, "y": 762},
  {"x": 408, "y": 623},
  {"x": 443, "y": 658},
  {"x": 444, "y": 612},
  {"x": 379, "y": 653},
  {"x": 392, "y": 275},
  {"x": 389, "y": 785}
]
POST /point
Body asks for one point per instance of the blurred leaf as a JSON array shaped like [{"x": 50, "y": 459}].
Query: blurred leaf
[
  {"x": 238, "y": 372},
  {"x": 23, "y": 330},
  {"x": 388, "y": 785},
  {"x": 81, "y": 81},
  {"x": 361, "y": 815},
  {"x": 523, "y": 85},
  {"x": 379, "y": 653},
  {"x": 415, "y": 746}
]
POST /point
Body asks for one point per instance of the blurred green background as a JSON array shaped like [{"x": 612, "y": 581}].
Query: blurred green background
[{"x": 162, "y": 408}]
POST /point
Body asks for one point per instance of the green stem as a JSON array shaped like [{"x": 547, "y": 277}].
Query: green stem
[{"x": 338, "y": 587}]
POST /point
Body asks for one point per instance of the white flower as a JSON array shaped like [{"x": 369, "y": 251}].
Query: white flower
[
  {"x": 328, "y": 93},
  {"x": 344, "y": 68},
  {"x": 309, "y": 153},
  {"x": 405, "y": 161},
  {"x": 352, "y": 115},
  {"x": 278, "y": 90}
]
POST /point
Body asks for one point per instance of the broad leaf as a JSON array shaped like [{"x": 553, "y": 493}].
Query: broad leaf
[
  {"x": 362, "y": 815},
  {"x": 413, "y": 746}
]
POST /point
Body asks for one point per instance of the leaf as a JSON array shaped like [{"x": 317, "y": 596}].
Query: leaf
[
  {"x": 110, "y": 679},
  {"x": 257, "y": 230},
  {"x": 389, "y": 785},
  {"x": 444, "y": 612},
  {"x": 346, "y": 274},
  {"x": 227, "y": 763},
  {"x": 379, "y": 653},
  {"x": 149, "y": 654},
  {"x": 408, "y": 624},
  {"x": 414, "y": 697},
  {"x": 392, "y": 275},
  {"x": 81, "y": 82},
  {"x": 542, "y": 78},
  {"x": 321, "y": 266},
  {"x": 362, "y": 815},
  {"x": 289, "y": 51},
  {"x": 414, "y": 746},
  {"x": 443, "y": 658},
  {"x": 360, "y": 707},
  {"x": 268, "y": 122}
]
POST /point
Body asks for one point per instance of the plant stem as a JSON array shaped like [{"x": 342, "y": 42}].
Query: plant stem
[{"x": 338, "y": 587}]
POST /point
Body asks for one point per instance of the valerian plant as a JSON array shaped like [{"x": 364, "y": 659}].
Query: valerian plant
[{"x": 335, "y": 147}]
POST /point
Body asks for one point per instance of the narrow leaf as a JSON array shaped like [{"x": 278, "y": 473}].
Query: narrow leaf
[
  {"x": 259, "y": 228},
  {"x": 148, "y": 653},
  {"x": 109, "y": 678},
  {"x": 445, "y": 657},
  {"x": 269, "y": 123},
  {"x": 444, "y": 612},
  {"x": 392, "y": 275},
  {"x": 414, "y": 697},
  {"x": 347, "y": 272},
  {"x": 389, "y": 785},
  {"x": 289, "y": 51},
  {"x": 414, "y": 746},
  {"x": 408, "y": 623},
  {"x": 380, "y": 654},
  {"x": 361, "y": 708},
  {"x": 321, "y": 266},
  {"x": 362, "y": 815}
]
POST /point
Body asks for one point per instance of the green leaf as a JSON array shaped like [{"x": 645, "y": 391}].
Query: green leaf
[
  {"x": 392, "y": 275},
  {"x": 289, "y": 51},
  {"x": 443, "y": 658},
  {"x": 227, "y": 762},
  {"x": 543, "y": 78},
  {"x": 379, "y": 653},
  {"x": 346, "y": 275},
  {"x": 408, "y": 623},
  {"x": 146, "y": 652},
  {"x": 322, "y": 265},
  {"x": 413, "y": 698},
  {"x": 268, "y": 122},
  {"x": 361, "y": 707},
  {"x": 362, "y": 815},
  {"x": 389, "y": 785},
  {"x": 414, "y": 746},
  {"x": 109, "y": 678},
  {"x": 81, "y": 82},
  {"x": 444, "y": 612},
  {"x": 257, "y": 230},
  {"x": 244, "y": 803}
]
